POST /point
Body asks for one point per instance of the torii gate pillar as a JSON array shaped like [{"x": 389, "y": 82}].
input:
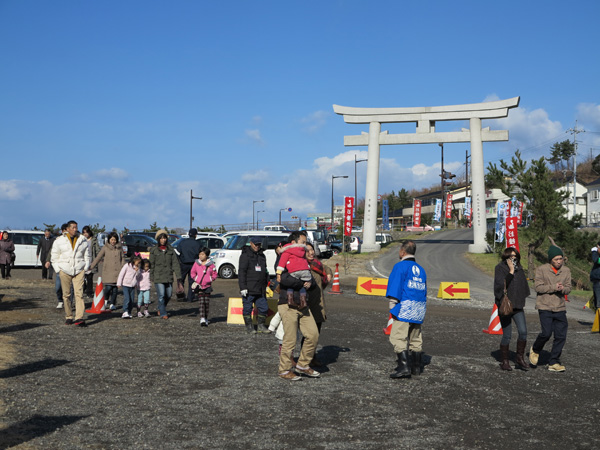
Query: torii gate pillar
[{"x": 425, "y": 118}]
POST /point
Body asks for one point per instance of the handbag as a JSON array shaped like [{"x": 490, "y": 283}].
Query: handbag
[{"x": 506, "y": 306}]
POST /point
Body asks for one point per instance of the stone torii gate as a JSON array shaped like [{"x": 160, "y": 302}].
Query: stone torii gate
[{"x": 425, "y": 119}]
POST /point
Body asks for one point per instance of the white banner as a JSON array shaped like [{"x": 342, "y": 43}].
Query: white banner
[
  {"x": 467, "y": 211},
  {"x": 438, "y": 210}
]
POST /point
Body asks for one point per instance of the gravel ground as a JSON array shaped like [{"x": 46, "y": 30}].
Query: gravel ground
[{"x": 151, "y": 383}]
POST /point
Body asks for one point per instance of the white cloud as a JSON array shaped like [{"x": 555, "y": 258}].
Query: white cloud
[
  {"x": 113, "y": 173},
  {"x": 533, "y": 132},
  {"x": 254, "y": 136},
  {"x": 315, "y": 121},
  {"x": 137, "y": 204}
]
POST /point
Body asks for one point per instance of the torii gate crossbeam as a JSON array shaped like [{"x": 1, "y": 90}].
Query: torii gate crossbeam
[{"x": 425, "y": 118}]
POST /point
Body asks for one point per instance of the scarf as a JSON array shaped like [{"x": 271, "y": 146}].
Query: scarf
[{"x": 317, "y": 266}]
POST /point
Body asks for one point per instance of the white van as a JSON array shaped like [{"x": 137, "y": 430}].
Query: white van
[
  {"x": 26, "y": 242},
  {"x": 383, "y": 238},
  {"x": 227, "y": 259},
  {"x": 275, "y": 228}
]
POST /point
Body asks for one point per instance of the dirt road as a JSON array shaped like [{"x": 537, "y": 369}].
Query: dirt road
[{"x": 149, "y": 383}]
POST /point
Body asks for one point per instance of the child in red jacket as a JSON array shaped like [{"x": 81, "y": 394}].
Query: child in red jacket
[{"x": 293, "y": 260}]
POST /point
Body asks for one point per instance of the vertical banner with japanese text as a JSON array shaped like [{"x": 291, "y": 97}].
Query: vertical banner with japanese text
[
  {"x": 416, "y": 212},
  {"x": 385, "y": 215},
  {"x": 348, "y": 210},
  {"x": 449, "y": 206},
  {"x": 500, "y": 221},
  {"x": 467, "y": 212},
  {"x": 512, "y": 235},
  {"x": 438, "y": 210}
]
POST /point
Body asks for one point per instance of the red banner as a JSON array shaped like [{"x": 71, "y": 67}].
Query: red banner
[
  {"x": 520, "y": 218},
  {"x": 512, "y": 235},
  {"x": 348, "y": 213},
  {"x": 417, "y": 213},
  {"x": 449, "y": 206}
]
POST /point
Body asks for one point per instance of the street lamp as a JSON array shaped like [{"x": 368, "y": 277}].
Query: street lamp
[
  {"x": 192, "y": 198},
  {"x": 257, "y": 213},
  {"x": 356, "y": 161},
  {"x": 333, "y": 177},
  {"x": 253, "y": 203}
]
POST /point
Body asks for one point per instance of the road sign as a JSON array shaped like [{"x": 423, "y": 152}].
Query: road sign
[
  {"x": 371, "y": 286},
  {"x": 454, "y": 290}
]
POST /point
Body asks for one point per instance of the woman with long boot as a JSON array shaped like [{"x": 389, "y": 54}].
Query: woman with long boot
[{"x": 509, "y": 276}]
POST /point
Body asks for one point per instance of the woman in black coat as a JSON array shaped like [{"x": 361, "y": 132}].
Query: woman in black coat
[{"x": 509, "y": 275}]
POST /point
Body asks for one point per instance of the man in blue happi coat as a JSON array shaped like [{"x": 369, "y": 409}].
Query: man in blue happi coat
[{"x": 407, "y": 292}]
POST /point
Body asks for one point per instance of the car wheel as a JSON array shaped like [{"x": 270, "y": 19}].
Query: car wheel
[{"x": 226, "y": 271}]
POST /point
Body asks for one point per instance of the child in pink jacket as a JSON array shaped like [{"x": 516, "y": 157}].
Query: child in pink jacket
[
  {"x": 144, "y": 284},
  {"x": 128, "y": 280},
  {"x": 203, "y": 273}
]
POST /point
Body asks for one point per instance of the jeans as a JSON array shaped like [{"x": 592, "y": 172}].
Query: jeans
[
  {"x": 164, "y": 291},
  {"x": 259, "y": 300},
  {"x": 110, "y": 294},
  {"x": 506, "y": 321},
  {"x": 143, "y": 297},
  {"x": 552, "y": 322},
  {"x": 128, "y": 296}
]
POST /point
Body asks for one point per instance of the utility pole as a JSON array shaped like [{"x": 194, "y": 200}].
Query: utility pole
[
  {"x": 443, "y": 183},
  {"x": 574, "y": 132}
]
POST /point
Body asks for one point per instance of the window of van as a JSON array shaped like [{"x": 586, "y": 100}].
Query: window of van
[
  {"x": 237, "y": 242},
  {"x": 26, "y": 239}
]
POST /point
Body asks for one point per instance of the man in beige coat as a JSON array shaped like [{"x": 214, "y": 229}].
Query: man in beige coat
[{"x": 552, "y": 284}]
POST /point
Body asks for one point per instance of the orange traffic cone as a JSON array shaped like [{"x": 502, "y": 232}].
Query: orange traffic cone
[
  {"x": 494, "y": 327},
  {"x": 388, "y": 329},
  {"x": 335, "y": 287},
  {"x": 99, "y": 305}
]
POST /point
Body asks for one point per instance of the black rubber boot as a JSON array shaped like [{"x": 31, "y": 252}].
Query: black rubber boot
[
  {"x": 403, "y": 370},
  {"x": 261, "y": 328},
  {"x": 249, "y": 326},
  {"x": 415, "y": 370}
]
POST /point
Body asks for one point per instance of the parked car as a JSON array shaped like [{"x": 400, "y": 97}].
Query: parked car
[
  {"x": 354, "y": 244},
  {"x": 336, "y": 246},
  {"x": 275, "y": 228},
  {"x": 227, "y": 259},
  {"x": 319, "y": 241},
  {"x": 172, "y": 237},
  {"x": 26, "y": 242},
  {"x": 212, "y": 242},
  {"x": 137, "y": 243},
  {"x": 383, "y": 238}
]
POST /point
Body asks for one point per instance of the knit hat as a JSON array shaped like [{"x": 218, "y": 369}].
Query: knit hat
[
  {"x": 159, "y": 232},
  {"x": 553, "y": 252}
]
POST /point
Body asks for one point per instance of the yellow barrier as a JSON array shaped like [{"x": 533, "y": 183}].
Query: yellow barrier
[
  {"x": 454, "y": 290},
  {"x": 371, "y": 286},
  {"x": 235, "y": 311}
]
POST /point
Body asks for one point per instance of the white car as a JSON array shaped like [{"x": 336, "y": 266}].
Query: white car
[
  {"x": 227, "y": 259},
  {"x": 355, "y": 243},
  {"x": 26, "y": 242}
]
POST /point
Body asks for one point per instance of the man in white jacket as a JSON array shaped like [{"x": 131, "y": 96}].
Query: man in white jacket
[{"x": 71, "y": 257}]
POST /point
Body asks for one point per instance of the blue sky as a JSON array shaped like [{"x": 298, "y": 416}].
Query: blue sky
[{"x": 112, "y": 111}]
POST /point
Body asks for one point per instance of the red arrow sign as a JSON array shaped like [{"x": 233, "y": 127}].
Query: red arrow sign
[
  {"x": 450, "y": 290},
  {"x": 369, "y": 286}
]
